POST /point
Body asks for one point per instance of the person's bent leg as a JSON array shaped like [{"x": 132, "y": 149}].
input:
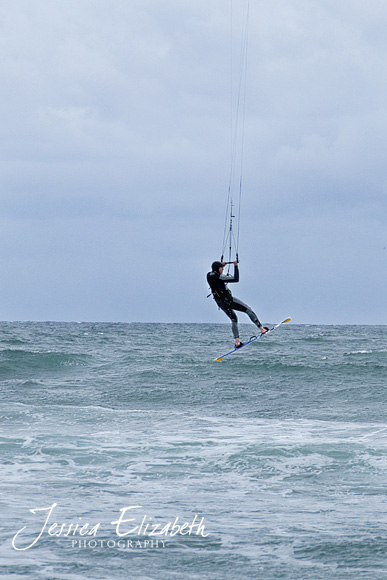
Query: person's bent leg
[
  {"x": 234, "y": 324},
  {"x": 242, "y": 307}
]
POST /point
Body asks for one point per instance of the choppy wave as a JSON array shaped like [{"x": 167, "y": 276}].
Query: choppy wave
[
  {"x": 19, "y": 362},
  {"x": 281, "y": 448}
]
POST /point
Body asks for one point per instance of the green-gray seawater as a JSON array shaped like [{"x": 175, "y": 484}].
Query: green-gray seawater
[{"x": 274, "y": 459}]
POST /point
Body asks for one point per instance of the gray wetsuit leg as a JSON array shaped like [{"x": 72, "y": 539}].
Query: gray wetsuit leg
[
  {"x": 227, "y": 309},
  {"x": 242, "y": 307}
]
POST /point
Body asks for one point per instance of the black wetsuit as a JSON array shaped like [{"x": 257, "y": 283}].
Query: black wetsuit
[
  {"x": 220, "y": 292},
  {"x": 225, "y": 300}
]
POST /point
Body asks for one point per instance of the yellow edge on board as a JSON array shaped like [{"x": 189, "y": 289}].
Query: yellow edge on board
[{"x": 283, "y": 322}]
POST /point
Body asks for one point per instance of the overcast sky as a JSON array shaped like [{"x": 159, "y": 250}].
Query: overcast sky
[{"x": 115, "y": 153}]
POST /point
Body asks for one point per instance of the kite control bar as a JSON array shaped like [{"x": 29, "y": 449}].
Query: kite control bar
[{"x": 236, "y": 260}]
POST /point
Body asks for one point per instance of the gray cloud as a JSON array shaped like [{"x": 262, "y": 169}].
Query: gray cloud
[{"x": 115, "y": 159}]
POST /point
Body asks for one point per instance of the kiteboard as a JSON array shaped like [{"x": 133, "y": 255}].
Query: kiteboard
[{"x": 253, "y": 339}]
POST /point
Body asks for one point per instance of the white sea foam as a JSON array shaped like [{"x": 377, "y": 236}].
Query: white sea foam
[{"x": 282, "y": 449}]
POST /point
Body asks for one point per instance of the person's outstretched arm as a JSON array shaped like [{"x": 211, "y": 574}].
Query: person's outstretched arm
[{"x": 227, "y": 278}]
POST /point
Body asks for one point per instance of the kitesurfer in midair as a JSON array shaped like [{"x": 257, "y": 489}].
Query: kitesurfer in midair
[{"x": 225, "y": 300}]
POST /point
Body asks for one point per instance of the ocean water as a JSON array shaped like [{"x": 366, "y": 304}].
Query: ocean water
[{"x": 270, "y": 464}]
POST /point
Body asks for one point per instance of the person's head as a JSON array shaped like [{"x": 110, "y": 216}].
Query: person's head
[{"x": 217, "y": 267}]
